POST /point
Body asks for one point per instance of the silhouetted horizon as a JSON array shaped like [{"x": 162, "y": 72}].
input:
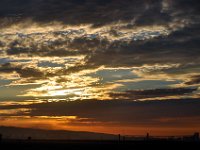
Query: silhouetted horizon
[{"x": 11, "y": 132}]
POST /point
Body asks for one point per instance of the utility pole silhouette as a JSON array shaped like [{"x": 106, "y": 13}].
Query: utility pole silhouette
[
  {"x": 119, "y": 137},
  {"x": 147, "y": 136},
  {"x": 1, "y": 137}
]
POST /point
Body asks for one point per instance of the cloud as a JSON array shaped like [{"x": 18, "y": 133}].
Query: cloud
[
  {"x": 170, "y": 49},
  {"x": 109, "y": 34},
  {"x": 23, "y": 72},
  {"x": 131, "y": 14},
  {"x": 98, "y": 12},
  {"x": 148, "y": 113},
  {"x": 155, "y": 93},
  {"x": 29, "y": 70},
  {"x": 72, "y": 42},
  {"x": 128, "y": 33},
  {"x": 195, "y": 80},
  {"x": 78, "y": 11}
]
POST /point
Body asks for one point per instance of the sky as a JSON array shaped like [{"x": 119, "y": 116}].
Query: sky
[{"x": 110, "y": 66}]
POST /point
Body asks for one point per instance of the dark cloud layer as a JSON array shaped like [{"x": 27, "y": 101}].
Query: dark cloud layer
[
  {"x": 179, "y": 47},
  {"x": 194, "y": 80},
  {"x": 34, "y": 72},
  {"x": 24, "y": 72},
  {"x": 181, "y": 17},
  {"x": 98, "y": 11},
  {"x": 150, "y": 113},
  {"x": 72, "y": 11},
  {"x": 156, "y": 93}
]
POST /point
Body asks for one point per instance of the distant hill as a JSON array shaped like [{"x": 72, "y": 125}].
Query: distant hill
[{"x": 24, "y": 133}]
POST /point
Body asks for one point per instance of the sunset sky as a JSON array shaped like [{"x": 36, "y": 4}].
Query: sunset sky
[{"x": 111, "y": 66}]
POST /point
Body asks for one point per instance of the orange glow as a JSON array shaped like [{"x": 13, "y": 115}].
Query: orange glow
[{"x": 77, "y": 124}]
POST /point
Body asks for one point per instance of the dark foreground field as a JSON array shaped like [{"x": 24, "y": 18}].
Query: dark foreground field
[
  {"x": 30, "y": 140},
  {"x": 68, "y": 145}
]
